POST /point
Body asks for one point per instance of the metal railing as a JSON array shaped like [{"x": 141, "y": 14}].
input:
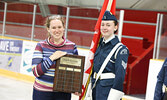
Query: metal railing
[{"x": 33, "y": 25}]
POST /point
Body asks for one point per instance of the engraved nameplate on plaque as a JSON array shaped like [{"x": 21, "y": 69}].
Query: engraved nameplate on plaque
[{"x": 69, "y": 74}]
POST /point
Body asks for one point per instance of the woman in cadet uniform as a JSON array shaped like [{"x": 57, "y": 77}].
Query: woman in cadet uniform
[
  {"x": 160, "y": 89},
  {"x": 109, "y": 86},
  {"x": 44, "y": 60}
]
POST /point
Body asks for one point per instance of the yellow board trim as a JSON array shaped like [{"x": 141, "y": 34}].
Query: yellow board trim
[
  {"x": 18, "y": 76},
  {"x": 158, "y": 59}
]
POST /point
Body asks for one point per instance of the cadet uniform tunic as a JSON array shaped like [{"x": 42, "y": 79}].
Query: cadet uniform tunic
[{"x": 116, "y": 65}]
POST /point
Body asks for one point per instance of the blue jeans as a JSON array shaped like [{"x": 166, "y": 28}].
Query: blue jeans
[{"x": 42, "y": 95}]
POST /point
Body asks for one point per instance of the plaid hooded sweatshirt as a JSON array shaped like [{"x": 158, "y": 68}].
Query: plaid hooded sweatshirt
[{"x": 43, "y": 68}]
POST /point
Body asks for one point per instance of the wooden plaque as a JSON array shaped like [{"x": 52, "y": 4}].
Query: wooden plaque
[{"x": 69, "y": 74}]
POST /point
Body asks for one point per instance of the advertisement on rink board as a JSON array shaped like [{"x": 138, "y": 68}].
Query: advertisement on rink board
[
  {"x": 10, "y": 54},
  {"x": 26, "y": 60},
  {"x": 17, "y": 55}
]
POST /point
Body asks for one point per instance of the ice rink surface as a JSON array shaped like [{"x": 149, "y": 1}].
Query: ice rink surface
[{"x": 14, "y": 89}]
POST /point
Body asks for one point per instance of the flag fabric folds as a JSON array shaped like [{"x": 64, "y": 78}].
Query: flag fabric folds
[{"x": 109, "y": 5}]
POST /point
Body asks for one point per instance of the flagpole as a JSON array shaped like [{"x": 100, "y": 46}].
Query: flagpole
[{"x": 107, "y": 5}]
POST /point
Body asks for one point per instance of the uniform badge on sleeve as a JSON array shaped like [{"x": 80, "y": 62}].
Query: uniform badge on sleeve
[
  {"x": 124, "y": 64},
  {"x": 124, "y": 51}
]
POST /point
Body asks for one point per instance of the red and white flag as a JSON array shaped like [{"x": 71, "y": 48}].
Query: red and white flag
[{"x": 109, "y": 5}]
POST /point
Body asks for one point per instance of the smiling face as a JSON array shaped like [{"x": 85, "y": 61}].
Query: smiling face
[
  {"x": 107, "y": 28},
  {"x": 56, "y": 29}
]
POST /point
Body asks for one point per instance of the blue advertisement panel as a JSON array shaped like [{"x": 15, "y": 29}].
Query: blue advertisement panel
[
  {"x": 10, "y": 52},
  {"x": 11, "y": 46}
]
